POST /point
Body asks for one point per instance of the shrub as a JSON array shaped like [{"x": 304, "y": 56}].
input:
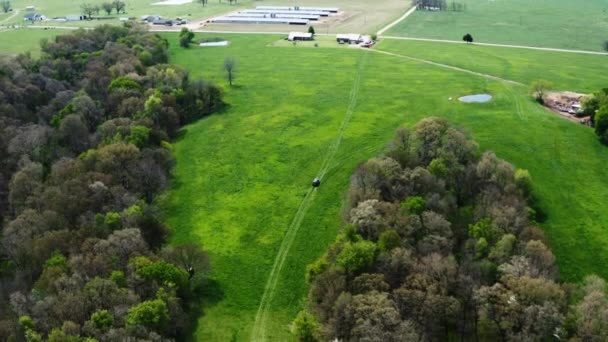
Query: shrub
[{"x": 388, "y": 240}]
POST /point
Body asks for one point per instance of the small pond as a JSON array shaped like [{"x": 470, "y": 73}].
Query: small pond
[{"x": 476, "y": 98}]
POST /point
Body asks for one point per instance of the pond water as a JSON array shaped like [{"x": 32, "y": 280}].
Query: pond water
[{"x": 476, "y": 98}]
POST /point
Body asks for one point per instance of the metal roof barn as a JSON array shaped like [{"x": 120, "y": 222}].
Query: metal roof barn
[
  {"x": 299, "y": 8},
  {"x": 321, "y": 13},
  {"x": 264, "y": 15},
  {"x": 245, "y": 20}
]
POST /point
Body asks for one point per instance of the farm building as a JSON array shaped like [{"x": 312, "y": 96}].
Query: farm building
[
  {"x": 34, "y": 17},
  {"x": 75, "y": 17},
  {"x": 299, "y": 8},
  {"x": 250, "y": 20},
  {"x": 30, "y": 8},
  {"x": 319, "y": 13},
  {"x": 274, "y": 15},
  {"x": 299, "y": 36},
  {"x": 352, "y": 38}
]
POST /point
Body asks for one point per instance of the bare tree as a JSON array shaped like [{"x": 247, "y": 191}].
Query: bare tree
[
  {"x": 88, "y": 9},
  {"x": 230, "y": 66},
  {"x": 119, "y": 6}
]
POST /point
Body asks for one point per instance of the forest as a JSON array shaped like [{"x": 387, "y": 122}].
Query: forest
[
  {"x": 85, "y": 146},
  {"x": 441, "y": 242}
]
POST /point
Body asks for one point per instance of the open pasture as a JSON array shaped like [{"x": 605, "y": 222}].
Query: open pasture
[
  {"x": 547, "y": 23},
  {"x": 242, "y": 179}
]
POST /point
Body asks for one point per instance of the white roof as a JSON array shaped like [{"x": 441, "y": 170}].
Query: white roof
[
  {"x": 349, "y": 36},
  {"x": 293, "y": 35}
]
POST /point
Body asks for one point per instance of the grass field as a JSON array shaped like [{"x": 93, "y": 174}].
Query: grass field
[
  {"x": 24, "y": 40},
  {"x": 241, "y": 175},
  {"x": 548, "y": 23}
]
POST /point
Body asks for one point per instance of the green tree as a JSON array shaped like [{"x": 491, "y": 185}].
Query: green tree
[
  {"x": 305, "y": 327},
  {"x": 468, "y": 38},
  {"x": 107, "y": 7},
  {"x": 311, "y": 30},
  {"x": 601, "y": 124},
  {"x": 523, "y": 180},
  {"x": 6, "y": 6},
  {"x": 356, "y": 256},
  {"x": 539, "y": 90},
  {"x": 102, "y": 319},
  {"x": 388, "y": 240},
  {"x": 185, "y": 37},
  {"x": 414, "y": 205},
  {"x": 152, "y": 314}
]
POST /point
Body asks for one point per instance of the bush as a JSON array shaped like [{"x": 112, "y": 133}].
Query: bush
[
  {"x": 523, "y": 180},
  {"x": 601, "y": 124}
]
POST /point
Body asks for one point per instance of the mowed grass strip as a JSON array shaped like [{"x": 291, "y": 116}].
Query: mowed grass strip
[
  {"x": 547, "y": 23},
  {"x": 241, "y": 174}
]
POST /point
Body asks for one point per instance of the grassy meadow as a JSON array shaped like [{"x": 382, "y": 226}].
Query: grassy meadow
[
  {"x": 548, "y": 23},
  {"x": 13, "y": 42},
  {"x": 242, "y": 174}
]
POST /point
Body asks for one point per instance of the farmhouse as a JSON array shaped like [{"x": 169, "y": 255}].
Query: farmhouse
[
  {"x": 299, "y": 36},
  {"x": 34, "y": 17}
]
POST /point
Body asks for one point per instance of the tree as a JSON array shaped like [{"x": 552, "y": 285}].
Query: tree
[
  {"x": 108, "y": 7},
  {"x": 305, "y": 327},
  {"x": 152, "y": 314},
  {"x": 88, "y": 9},
  {"x": 204, "y": 2},
  {"x": 540, "y": 89},
  {"x": 185, "y": 37},
  {"x": 601, "y": 124},
  {"x": 311, "y": 30},
  {"x": 229, "y": 67},
  {"x": 605, "y": 45},
  {"x": 119, "y": 6},
  {"x": 357, "y": 256},
  {"x": 468, "y": 38},
  {"x": 6, "y": 6}
]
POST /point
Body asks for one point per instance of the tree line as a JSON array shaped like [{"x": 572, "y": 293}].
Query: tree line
[
  {"x": 442, "y": 243},
  {"x": 85, "y": 147},
  {"x": 108, "y": 6}
]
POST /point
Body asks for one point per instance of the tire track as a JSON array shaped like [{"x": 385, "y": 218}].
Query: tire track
[{"x": 261, "y": 318}]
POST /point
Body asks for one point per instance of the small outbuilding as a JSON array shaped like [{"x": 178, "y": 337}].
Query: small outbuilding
[
  {"x": 352, "y": 38},
  {"x": 299, "y": 36}
]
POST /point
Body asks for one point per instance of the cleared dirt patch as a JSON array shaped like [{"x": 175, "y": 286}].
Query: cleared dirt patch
[{"x": 568, "y": 105}]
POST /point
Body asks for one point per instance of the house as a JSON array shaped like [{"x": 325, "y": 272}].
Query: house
[
  {"x": 299, "y": 36},
  {"x": 352, "y": 38},
  {"x": 34, "y": 17}
]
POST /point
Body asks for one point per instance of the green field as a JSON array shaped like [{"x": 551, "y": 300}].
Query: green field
[
  {"x": 25, "y": 40},
  {"x": 241, "y": 175},
  {"x": 547, "y": 23}
]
